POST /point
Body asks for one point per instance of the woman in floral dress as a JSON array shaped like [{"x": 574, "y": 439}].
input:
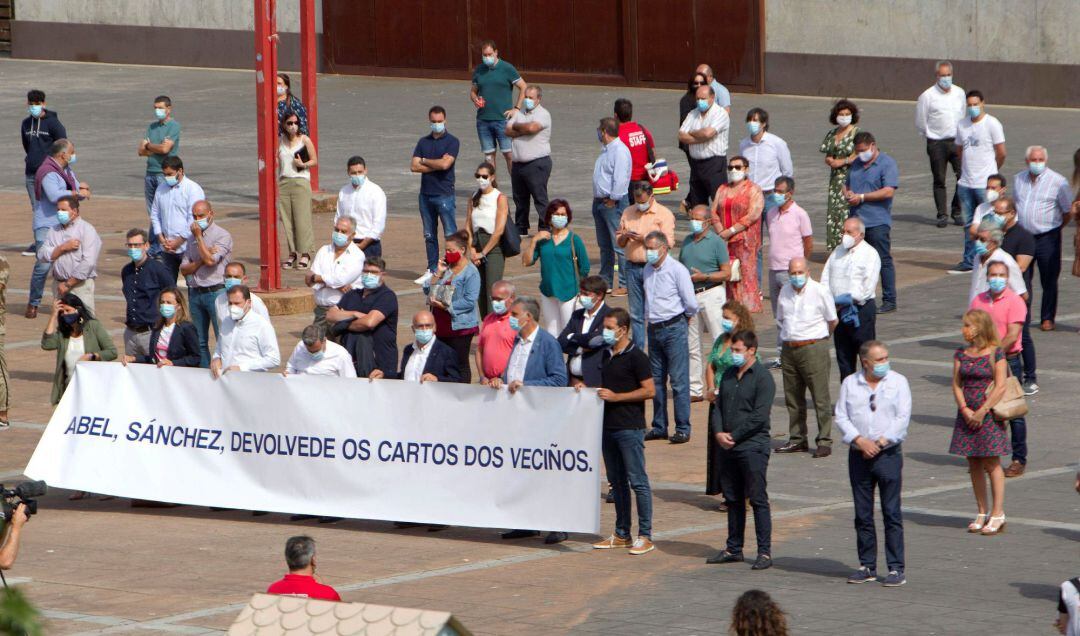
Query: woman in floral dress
[
  {"x": 736, "y": 317},
  {"x": 736, "y": 217},
  {"x": 976, "y": 434},
  {"x": 839, "y": 149}
]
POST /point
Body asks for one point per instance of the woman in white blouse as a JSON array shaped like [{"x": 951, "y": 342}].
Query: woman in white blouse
[{"x": 485, "y": 223}]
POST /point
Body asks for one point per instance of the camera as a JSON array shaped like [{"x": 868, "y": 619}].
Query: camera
[{"x": 24, "y": 493}]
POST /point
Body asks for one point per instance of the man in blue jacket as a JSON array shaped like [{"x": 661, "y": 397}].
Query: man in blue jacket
[
  {"x": 39, "y": 130},
  {"x": 426, "y": 359},
  {"x": 582, "y": 340}
]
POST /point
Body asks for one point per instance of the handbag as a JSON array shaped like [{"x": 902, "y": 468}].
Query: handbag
[
  {"x": 736, "y": 271},
  {"x": 510, "y": 241},
  {"x": 1012, "y": 403}
]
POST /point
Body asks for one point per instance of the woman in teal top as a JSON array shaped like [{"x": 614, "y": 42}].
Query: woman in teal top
[
  {"x": 563, "y": 263},
  {"x": 736, "y": 317}
]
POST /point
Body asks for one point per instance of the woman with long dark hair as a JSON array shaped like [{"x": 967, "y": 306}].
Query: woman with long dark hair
[
  {"x": 756, "y": 614},
  {"x": 287, "y": 102},
  {"x": 485, "y": 222},
  {"x": 76, "y": 336},
  {"x": 296, "y": 157},
  {"x": 457, "y": 320}
]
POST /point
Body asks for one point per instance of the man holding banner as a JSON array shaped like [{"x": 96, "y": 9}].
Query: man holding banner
[{"x": 248, "y": 341}]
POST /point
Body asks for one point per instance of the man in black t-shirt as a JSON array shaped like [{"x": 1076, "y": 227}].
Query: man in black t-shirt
[
  {"x": 366, "y": 320},
  {"x": 1020, "y": 244},
  {"x": 626, "y": 384}
]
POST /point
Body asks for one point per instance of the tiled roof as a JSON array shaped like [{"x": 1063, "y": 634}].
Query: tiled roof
[{"x": 268, "y": 614}]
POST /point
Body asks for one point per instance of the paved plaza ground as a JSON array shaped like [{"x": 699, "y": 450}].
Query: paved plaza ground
[{"x": 97, "y": 567}]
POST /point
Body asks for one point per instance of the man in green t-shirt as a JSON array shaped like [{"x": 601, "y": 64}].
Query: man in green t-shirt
[
  {"x": 162, "y": 140},
  {"x": 492, "y": 93}
]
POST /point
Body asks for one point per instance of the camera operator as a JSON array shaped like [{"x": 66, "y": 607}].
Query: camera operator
[{"x": 9, "y": 536}]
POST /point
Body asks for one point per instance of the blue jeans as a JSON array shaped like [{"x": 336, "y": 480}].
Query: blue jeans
[
  {"x": 878, "y": 238},
  {"x": 491, "y": 132},
  {"x": 150, "y": 184},
  {"x": 607, "y": 222},
  {"x": 434, "y": 207},
  {"x": 624, "y": 457},
  {"x": 30, "y": 192},
  {"x": 41, "y": 269},
  {"x": 1018, "y": 426},
  {"x": 970, "y": 198},
  {"x": 634, "y": 277},
  {"x": 1027, "y": 353},
  {"x": 669, "y": 356},
  {"x": 884, "y": 472},
  {"x": 204, "y": 314}
]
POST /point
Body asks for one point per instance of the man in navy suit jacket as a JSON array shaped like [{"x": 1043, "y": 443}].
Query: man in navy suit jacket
[
  {"x": 584, "y": 345},
  {"x": 426, "y": 359}
]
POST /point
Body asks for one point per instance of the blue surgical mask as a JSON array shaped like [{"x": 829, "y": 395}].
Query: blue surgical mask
[
  {"x": 727, "y": 325},
  {"x": 498, "y": 306},
  {"x": 171, "y": 180},
  {"x": 866, "y": 155},
  {"x": 135, "y": 254},
  {"x": 438, "y": 127},
  {"x": 696, "y": 226},
  {"x": 489, "y": 60},
  {"x": 72, "y": 160},
  {"x": 35, "y": 110},
  {"x": 973, "y": 111},
  {"x": 881, "y": 369},
  {"x": 945, "y": 82},
  {"x": 980, "y": 248},
  {"x": 776, "y": 199},
  {"x": 318, "y": 355},
  {"x": 651, "y": 256},
  {"x": 703, "y": 105},
  {"x": 559, "y": 221},
  {"x": 515, "y": 324},
  {"x": 369, "y": 280},
  {"x": 202, "y": 223},
  {"x": 738, "y": 359},
  {"x": 357, "y": 180},
  {"x": 1035, "y": 167},
  {"x": 340, "y": 239},
  {"x": 753, "y": 127},
  {"x": 586, "y": 301},
  {"x": 798, "y": 281},
  {"x": 609, "y": 337},
  {"x": 997, "y": 284},
  {"x": 424, "y": 336},
  {"x": 167, "y": 311},
  {"x": 63, "y": 217},
  {"x": 528, "y": 103},
  {"x": 995, "y": 217},
  {"x": 233, "y": 282},
  {"x": 160, "y": 113}
]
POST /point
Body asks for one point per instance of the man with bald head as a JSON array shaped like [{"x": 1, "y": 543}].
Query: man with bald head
[
  {"x": 425, "y": 359},
  {"x": 497, "y": 338},
  {"x": 723, "y": 96},
  {"x": 806, "y": 316},
  {"x": 851, "y": 276},
  {"x": 205, "y": 257}
]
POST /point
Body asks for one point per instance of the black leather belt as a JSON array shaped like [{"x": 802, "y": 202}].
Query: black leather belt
[
  {"x": 204, "y": 290},
  {"x": 669, "y": 321},
  {"x": 703, "y": 288},
  {"x": 140, "y": 329}
]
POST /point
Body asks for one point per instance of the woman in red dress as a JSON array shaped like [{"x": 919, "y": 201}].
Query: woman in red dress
[{"x": 736, "y": 217}]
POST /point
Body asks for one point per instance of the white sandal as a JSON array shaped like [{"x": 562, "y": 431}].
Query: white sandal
[
  {"x": 989, "y": 530},
  {"x": 978, "y": 524}
]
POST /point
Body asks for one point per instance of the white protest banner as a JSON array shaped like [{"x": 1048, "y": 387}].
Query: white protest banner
[{"x": 433, "y": 453}]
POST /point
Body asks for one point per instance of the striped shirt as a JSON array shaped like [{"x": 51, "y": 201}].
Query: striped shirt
[{"x": 1041, "y": 204}]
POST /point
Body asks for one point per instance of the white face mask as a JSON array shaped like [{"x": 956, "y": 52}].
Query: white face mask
[
  {"x": 992, "y": 195},
  {"x": 848, "y": 241},
  {"x": 843, "y": 120},
  {"x": 483, "y": 184},
  {"x": 866, "y": 155},
  {"x": 735, "y": 176},
  {"x": 236, "y": 313},
  {"x": 644, "y": 206}
]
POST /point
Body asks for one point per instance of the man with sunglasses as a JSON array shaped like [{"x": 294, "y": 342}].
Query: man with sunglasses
[{"x": 873, "y": 413}]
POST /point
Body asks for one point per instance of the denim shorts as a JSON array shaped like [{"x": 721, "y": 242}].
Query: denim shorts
[{"x": 489, "y": 132}]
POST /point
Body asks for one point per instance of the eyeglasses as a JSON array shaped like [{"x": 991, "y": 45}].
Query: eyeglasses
[{"x": 873, "y": 405}]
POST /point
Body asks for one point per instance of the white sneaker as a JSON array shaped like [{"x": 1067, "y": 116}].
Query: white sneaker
[{"x": 425, "y": 278}]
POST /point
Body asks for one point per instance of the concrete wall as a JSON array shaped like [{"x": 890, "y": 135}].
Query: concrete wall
[
  {"x": 230, "y": 15},
  {"x": 1026, "y": 31}
]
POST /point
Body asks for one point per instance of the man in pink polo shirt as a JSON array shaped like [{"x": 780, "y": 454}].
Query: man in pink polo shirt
[
  {"x": 496, "y": 337},
  {"x": 1009, "y": 313},
  {"x": 790, "y": 237}
]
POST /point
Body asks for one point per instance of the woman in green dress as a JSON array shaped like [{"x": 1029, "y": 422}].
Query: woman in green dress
[
  {"x": 736, "y": 317},
  {"x": 839, "y": 149}
]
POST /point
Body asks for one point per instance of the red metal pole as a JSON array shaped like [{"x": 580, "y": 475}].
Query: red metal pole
[
  {"x": 308, "y": 64},
  {"x": 266, "y": 118}
]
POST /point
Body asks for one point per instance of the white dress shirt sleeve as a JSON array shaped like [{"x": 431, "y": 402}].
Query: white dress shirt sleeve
[
  {"x": 827, "y": 304},
  {"x": 291, "y": 366},
  {"x": 378, "y": 214},
  {"x": 921, "y": 108},
  {"x": 869, "y": 272},
  {"x": 899, "y": 428},
  {"x": 268, "y": 354},
  {"x": 783, "y": 156},
  {"x": 841, "y": 417}
]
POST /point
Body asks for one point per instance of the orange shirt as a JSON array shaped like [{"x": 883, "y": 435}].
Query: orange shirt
[{"x": 656, "y": 218}]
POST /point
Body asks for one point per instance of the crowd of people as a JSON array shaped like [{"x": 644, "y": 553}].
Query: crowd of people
[{"x": 677, "y": 288}]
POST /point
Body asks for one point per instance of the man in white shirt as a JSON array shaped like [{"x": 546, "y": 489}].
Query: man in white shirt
[
  {"x": 988, "y": 250},
  {"x": 705, "y": 132},
  {"x": 247, "y": 342},
  {"x": 315, "y": 355},
  {"x": 529, "y": 131},
  {"x": 980, "y": 142},
  {"x": 1068, "y": 621},
  {"x": 365, "y": 203},
  {"x": 806, "y": 317},
  {"x": 851, "y": 276},
  {"x": 236, "y": 274},
  {"x": 336, "y": 269},
  {"x": 873, "y": 413},
  {"x": 937, "y": 112},
  {"x": 171, "y": 212}
]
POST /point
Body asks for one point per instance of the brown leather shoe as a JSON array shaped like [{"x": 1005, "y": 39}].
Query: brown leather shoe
[
  {"x": 793, "y": 448},
  {"x": 1015, "y": 469},
  {"x": 31, "y": 312},
  {"x": 822, "y": 451},
  {"x": 1047, "y": 325}
]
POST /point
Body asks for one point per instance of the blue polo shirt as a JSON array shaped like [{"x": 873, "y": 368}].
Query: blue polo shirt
[
  {"x": 863, "y": 178},
  {"x": 439, "y": 182}
]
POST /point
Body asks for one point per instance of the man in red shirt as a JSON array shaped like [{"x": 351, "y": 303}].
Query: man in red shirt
[
  {"x": 637, "y": 138},
  {"x": 300, "y": 581},
  {"x": 1009, "y": 313},
  {"x": 496, "y": 337}
]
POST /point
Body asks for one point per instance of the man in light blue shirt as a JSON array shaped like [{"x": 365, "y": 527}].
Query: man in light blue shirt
[
  {"x": 873, "y": 413},
  {"x": 171, "y": 213},
  {"x": 723, "y": 96},
  {"x": 670, "y": 302},
  {"x": 611, "y": 184}
]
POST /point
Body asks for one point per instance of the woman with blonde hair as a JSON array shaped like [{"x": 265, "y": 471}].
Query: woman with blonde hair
[
  {"x": 174, "y": 342},
  {"x": 979, "y": 373}
]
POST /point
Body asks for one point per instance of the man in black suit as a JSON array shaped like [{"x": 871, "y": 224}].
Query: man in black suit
[
  {"x": 425, "y": 359},
  {"x": 582, "y": 340}
]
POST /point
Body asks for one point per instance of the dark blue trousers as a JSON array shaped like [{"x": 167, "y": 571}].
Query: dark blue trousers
[{"x": 881, "y": 472}]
